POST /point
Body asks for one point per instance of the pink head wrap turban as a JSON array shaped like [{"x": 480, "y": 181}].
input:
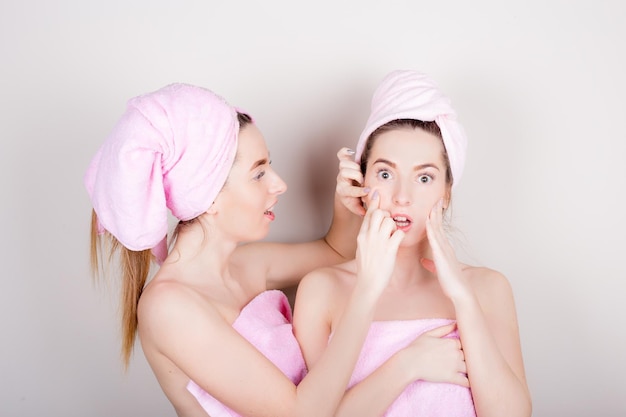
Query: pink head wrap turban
[
  {"x": 172, "y": 148},
  {"x": 406, "y": 94}
]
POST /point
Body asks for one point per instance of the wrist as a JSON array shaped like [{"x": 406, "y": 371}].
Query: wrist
[
  {"x": 404, "y": 365},
  {"x": 365, "y": 295},
  {"x": 464, "y": 298}
]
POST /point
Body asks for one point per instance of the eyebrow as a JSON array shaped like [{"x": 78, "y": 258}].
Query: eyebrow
[
  {"x": 259, "y": 163},
  {"x": 415, "y": 168}
]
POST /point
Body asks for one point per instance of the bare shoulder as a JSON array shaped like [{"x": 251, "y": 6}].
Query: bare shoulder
[
  {"x": 329, "y": 278},
  {"x": 323, "y": 291},
  {"x": 492, "y": 287},
  {"x": 166, "y": 303}
]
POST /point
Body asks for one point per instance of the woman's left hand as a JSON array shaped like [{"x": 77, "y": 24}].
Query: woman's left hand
[{"x": 444, "y": 262}]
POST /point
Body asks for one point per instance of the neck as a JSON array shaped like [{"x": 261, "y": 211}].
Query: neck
[
  {"x": 203, "y": 253},
  {"x": 408, "y": 269}
]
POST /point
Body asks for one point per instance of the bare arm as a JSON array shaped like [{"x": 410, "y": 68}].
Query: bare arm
[
  {"x": 286, "y": 263},
  {"x": 192, "y": 334},
  {"x": 493, "y": 353},
  {"x": 488, "y": 331},
  {"x": 430, "y": 357}
]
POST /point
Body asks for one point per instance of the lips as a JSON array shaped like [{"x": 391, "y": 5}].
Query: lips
[
  {"x": 403, "y": 222},
  {"x": 269, "y": 213}
]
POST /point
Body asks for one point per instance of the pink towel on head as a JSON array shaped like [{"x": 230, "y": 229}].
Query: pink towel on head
[
  {"x": 266, "y": 323},
  {"x": 172, "y": 148},
  {"x": 420, "y": 398},
  {"x": 406, "y": 94}
]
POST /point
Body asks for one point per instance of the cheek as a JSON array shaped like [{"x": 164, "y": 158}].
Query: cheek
[{"x": 384, "y": 196}]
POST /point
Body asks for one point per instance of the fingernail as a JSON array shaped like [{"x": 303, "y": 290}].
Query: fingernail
[
  {"x": 366, "y": 190},
  {"x": 350, "y": 151},
  {"x": 375, "y": 195}
]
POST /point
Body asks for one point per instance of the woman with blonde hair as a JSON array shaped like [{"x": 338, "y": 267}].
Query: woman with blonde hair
[{"x": 213, "y": 325}]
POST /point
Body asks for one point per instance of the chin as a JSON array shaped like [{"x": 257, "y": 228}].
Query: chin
[
  {"x": 262, "y": 233},
  {"x": 409, "y": 241}
]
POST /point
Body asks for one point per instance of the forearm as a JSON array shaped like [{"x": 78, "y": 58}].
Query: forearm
[
  {"x": 372, "y": 396},
  {"x": 343, "y": 230},
  {"x": 321, "y": 391},
  {"x": 496, "y": 389}
]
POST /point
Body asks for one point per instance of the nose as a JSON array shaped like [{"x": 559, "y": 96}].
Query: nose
[
  {"x": 401, "y": 194},
  {"x": 278, "y": 186}
]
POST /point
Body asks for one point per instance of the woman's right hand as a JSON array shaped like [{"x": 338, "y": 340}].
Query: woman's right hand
[
  {"x": 350, "y": 181},
  {"x": 377, "y": 246},
  {"x": 435, "y": 358}
]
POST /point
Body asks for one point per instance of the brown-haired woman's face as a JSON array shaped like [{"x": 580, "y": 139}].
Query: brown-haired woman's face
[{"x": 406, "y": 166}]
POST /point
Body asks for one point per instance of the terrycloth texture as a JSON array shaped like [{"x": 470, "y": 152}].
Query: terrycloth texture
[
  {"x": 421, "y": 398},
  {"x": 172, "y": 148},
  {"x": 266, "y": 323},
  {"x": 406, "y": 94}
]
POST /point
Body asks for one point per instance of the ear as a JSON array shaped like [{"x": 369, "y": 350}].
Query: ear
[{"x": 213, "y": 210}]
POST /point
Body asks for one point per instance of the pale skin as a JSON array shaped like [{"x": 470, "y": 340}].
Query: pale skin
[
  {"x": 186, "y": 311},
  {"x": 406, "y": 167}
]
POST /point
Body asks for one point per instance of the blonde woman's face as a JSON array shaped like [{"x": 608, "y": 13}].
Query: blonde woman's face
[{"x": 245, "y": 205}]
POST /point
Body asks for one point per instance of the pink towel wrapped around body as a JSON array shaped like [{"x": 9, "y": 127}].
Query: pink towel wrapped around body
[
  {"x": 266, "y": 323},
  {"x": 420, "y": 398}
]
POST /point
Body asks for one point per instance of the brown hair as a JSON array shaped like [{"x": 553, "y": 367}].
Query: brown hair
[
  {"x": 135, "y": 267},
  {"x": 429, "y": 127}
]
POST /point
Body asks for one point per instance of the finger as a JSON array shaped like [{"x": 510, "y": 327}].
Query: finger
[
  {"x": 463, "y": 367},
  {"x": 460, "y": 379},
  {"x": 441, "y": 331},
  {"x": 350, "y": 189},
  {"x": 349, "y": 164},
  {"x": 345, "y": 154},
  {"x": 371, "y": 208},
  {"x": 396, "y": 238},
  {"x": 383, "y": 225},
  {"x": 434, "y": 233},
  {"x": 350, "y": 176},
  {"x": 374, "y": 201},
  {"x": 429, "y": 265},
  {"x": 436, "y": 213},
  {"x": 346, "y": 190},
  {"x": 356, "y": 207}
]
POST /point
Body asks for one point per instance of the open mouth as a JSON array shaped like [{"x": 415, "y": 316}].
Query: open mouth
[
  {"x": 402, "y": 221},
  {"x": 270, "y": 213}
]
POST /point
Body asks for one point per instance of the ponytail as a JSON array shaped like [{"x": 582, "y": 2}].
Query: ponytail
[{"x": 135, "y": 267}]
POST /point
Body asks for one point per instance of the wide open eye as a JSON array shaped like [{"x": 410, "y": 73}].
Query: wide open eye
[
  {"x": 425, "y": 179},
  {"x": 383, "y": 174}
]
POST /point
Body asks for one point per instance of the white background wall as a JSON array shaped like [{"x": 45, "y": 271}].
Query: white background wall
[{"x": 539, "y": 86}]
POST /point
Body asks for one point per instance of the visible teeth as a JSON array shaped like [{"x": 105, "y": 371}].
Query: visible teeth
[{"x": 401, "y": 221}]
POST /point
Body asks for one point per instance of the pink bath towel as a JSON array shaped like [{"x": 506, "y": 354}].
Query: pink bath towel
[
  {"x": 409, "y": 94},
  {"x": 171, "y": 149},
  {"x": 266, "y": 323},
  {"x": 421, "y": 398}
]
